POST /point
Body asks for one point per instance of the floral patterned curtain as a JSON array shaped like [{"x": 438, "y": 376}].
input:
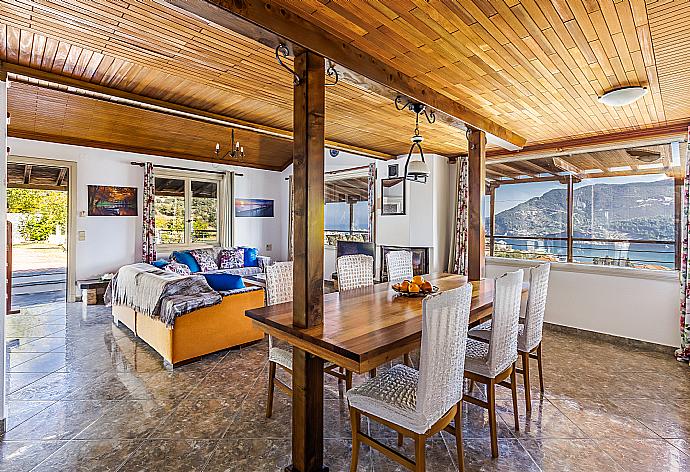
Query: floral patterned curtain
[
  {"x": 148, "y": 240},
  {"x": 683, "y": 353},
  {"x": 459, "y": 249},
  {"x": 371, "y": 183},
  {"x": 291, "y": 221}
]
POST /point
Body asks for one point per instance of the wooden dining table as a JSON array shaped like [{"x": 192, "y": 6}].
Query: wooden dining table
[{"x": 367, "y": 327}]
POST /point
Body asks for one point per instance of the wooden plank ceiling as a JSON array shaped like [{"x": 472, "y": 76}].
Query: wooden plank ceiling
[
  {"x": 611, "y": 163},
  {"x": 150, "y": 50},
  {"x": 536, "y": 67},
  {"x": 39, "y": 177}
]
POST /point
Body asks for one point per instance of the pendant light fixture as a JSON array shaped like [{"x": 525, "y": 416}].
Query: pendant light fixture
[
  {"x": 236, "y": 150},
  {"x": 416, "y": 170}
]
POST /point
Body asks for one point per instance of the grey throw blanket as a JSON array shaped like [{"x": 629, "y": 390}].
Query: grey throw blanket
[{"x": 159, "y": 293}]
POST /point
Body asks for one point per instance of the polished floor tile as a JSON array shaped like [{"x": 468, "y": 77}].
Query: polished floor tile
[
  {"x": 83, "y": 456},
  {"x": 86, "y": 395},
  {"x": 18, "y": 456}
]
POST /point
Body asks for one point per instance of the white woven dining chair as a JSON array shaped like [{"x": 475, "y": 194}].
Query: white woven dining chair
[
  {"x": 355, "y": 271},
  {"x": 530, "y": 335},
  {"x": 493, "y": 362},
  {"x": 279, "y": 280},
  {"x": 399, "y": 265},
  {"x": 530, "y": 329},
  {"x": 420, "y": 404}
]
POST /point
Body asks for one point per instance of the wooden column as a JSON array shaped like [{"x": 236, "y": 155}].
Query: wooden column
[
  {"x": 477, "y": 178},
  {"x": 308, "y": 160},
  {"x": 569, "y": 215}
]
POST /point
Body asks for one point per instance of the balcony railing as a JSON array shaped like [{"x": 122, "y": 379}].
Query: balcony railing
[{"x": 647, "y": 254}]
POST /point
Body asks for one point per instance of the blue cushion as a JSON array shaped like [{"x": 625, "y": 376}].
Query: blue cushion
[
  {"x": 250, "y": 256},
  {"x": 184, "y": 257},
  {"x": 160, "y": 263},
  {"x": 222, "y": 282}
]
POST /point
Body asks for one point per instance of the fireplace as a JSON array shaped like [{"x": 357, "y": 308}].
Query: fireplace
[{"x": 420, "y": 259}]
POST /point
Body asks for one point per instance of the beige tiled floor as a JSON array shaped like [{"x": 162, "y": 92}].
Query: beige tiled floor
[{"x": 86, "y": 395}]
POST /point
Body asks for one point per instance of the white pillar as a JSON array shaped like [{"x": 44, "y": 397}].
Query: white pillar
[{"x": 3, "y": 240}]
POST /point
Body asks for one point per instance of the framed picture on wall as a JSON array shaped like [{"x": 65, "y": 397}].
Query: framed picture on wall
[
  {"x": 253, "y": 207},
  {"x": 105, "y": 200}
]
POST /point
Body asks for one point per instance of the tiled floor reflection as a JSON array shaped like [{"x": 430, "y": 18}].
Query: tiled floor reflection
[{"x": 86, "y": 395}]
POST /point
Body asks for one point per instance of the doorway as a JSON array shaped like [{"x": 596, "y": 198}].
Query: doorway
[{"x": 39, "y": 224}]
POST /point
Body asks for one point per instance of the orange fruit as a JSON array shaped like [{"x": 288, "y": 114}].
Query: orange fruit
[
  {"x": 414, "y": 288},
  {"x": 418, "y": 279},
  {"x": 426, "y": 287},
  {"x": 405, "y": 286}
]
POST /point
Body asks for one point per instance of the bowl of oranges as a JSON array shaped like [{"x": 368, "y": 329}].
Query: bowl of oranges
[{"x": 417, "y": 287}]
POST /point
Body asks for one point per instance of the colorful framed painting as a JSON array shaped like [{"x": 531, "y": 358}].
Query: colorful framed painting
[
  {"x": 253, "y": 207},
  {"x": 104, "y": 200}
]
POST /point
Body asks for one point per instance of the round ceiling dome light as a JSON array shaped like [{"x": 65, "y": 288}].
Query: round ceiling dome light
[{"x": 623, "y": 96}]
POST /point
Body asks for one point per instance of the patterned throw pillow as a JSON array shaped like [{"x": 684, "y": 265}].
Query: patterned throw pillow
[
  {"x": 204, "y": 257},
  {"x": 178, "y": 268},
  {"x": 232, "y": 258}
]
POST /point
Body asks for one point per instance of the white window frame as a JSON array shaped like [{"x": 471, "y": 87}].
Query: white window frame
[{"x": 188, "y": 177}]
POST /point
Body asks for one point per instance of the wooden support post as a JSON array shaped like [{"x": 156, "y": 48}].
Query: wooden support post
[
  {"x": 678, "y": 209},
  {"x": 308, "y": 159},
  {"x": 477, "y": 178},
  {"x": 569, "y": 215},
  {"x": 492, "y": 218}
]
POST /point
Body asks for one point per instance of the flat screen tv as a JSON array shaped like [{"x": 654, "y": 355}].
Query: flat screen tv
[{"x": 346, "y": 248}]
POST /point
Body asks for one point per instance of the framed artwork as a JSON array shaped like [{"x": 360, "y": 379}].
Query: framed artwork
[
  {"x": 253, "y": 207},
  {"x": 104, "y": 200}
]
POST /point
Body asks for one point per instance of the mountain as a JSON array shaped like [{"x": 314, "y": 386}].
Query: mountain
[{"x": 638, "y": 210}]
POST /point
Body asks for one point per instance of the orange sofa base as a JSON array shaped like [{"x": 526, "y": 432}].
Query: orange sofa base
[{"x": 200, "y": 332}]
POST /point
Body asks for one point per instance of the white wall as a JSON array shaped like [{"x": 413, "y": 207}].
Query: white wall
[
  {"x": 631, "y": 303},
  {"x": 112, "y": 242}
]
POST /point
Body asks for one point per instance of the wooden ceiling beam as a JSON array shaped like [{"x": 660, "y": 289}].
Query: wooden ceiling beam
[
  {"x": 130, "y": 148},
  {"x": 603, "y": 142},
  {"x": 100, "y": 92},
  {"x": 566, "y": 166},
  {"x": 270, "y": 26}
]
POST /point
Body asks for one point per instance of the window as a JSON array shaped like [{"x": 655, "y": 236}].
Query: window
[
  {"x": 347, "y": 209},
  {"x": 625, "y": 221},
  {"x": 625, "y": 217},
  {"x": 187, "y": 210},
  {"x": 530, "y": 221}
]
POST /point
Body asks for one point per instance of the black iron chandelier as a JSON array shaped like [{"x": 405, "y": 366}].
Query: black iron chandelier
[
  {"x": 416, "y": 170},
  {"x": 236, "y": 150}
]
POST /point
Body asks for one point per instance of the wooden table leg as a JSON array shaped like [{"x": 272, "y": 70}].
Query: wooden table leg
[{"x": 307, "y": 413}]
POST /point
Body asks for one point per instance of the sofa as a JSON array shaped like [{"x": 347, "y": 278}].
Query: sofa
[
  {"x": 250, "y": 266},
  {"x": 203, "y": 331}
]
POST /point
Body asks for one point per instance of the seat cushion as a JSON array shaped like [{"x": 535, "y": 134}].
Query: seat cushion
[
  {"x": 178, "y": 268},
  {"x": 483, "y": 333},
  {"x": 241, "y": 271},
  {"x": 392, "y": 396},
  {"x": 231, "y": 258},
  {"x": 184, "y": 257},
  {"x": 205, "y": 259},
  {"x": 251, "y": 255},
  {"x": 280, "y": 356},
  {"x": 476, "y": 357},
  {"x": 222, "y": 282}
]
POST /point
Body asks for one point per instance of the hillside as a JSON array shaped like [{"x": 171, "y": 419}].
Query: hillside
[{"x": 623, "y": 211}]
